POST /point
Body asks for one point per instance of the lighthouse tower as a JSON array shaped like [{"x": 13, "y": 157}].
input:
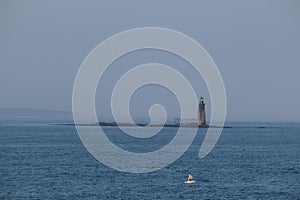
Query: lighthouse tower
[{"x": 201, "y": 113}]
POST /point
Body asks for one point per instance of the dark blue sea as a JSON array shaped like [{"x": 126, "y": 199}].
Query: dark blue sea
[{"x": 41, "y": 160}]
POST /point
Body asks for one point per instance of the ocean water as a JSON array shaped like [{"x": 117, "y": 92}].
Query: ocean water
[{"x": 39, "y": 160}]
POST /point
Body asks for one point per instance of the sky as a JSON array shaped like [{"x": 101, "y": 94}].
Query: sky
[{"x": 255, "y": 44}]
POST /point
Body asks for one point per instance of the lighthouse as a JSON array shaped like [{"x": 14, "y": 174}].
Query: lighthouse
[{"x": 201, "y": 113}]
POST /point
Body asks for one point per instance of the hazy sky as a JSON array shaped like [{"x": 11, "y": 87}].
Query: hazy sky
[{"x": 255, "y": 44}]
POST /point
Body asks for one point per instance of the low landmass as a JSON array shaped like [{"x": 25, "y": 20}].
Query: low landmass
[
  {"x": 20, "y": 113},
  {"x": 192, "y": 125}
]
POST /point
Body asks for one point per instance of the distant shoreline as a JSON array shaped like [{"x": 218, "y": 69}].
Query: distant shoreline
[{"x": 189, "y": 125}]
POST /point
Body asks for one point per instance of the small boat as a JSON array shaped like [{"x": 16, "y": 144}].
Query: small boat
[
  {"x": 190, "y": 182},
  {"x": 190, "y": 179}
]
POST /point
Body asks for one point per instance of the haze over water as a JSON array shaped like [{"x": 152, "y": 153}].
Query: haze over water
[{"x": 255, "y": 46}]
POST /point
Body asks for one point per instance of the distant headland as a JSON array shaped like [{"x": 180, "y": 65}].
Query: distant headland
[
  {"x": 201, "y": 121},
  {"x": 188, "y": 125}
]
